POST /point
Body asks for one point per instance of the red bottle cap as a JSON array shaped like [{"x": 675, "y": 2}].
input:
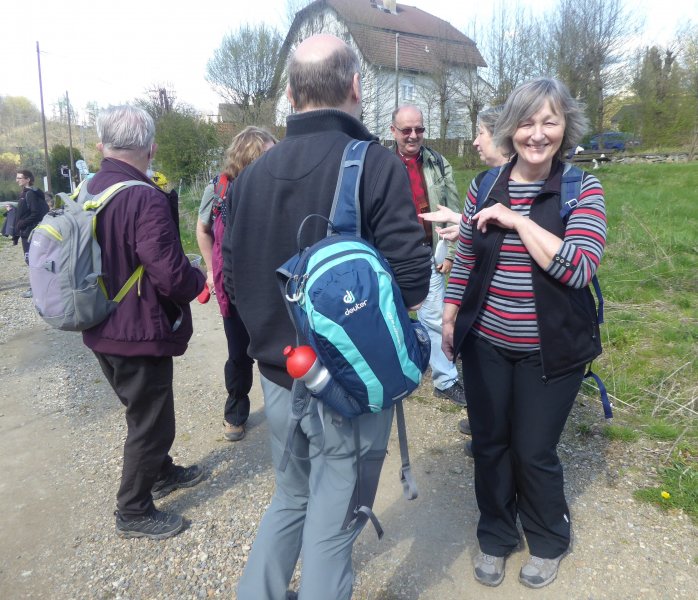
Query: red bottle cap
[{"x": 299, "y": 360}]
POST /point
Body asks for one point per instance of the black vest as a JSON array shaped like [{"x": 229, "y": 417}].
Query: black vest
[{"x": 567, "y": 321}]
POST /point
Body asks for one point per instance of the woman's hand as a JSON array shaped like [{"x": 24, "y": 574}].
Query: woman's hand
[
  {"x": 498, "y": 215},
  {"x": 449, "y": 233},
  {"x": 443, "y": 215}
]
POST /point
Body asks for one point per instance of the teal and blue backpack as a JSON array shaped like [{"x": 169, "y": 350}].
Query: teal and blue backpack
[
  {"x": 345, "y": 303},
  {"x": 571, "y": 188}
]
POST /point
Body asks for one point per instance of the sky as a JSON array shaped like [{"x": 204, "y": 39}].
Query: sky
[{"x": 111, "y": 52}]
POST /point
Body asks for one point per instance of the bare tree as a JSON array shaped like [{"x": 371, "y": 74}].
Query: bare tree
[
  {"x": 160, "y": 99},
  {"x": 242, "y": 72},
  {"x": 512, "y": 44},
  {"x": 586, "y": 49}
]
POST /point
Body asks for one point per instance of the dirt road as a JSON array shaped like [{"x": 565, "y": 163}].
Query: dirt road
[{"x": 61, "y": 432}]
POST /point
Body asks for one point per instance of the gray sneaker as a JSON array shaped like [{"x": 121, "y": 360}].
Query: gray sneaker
[
  {"x": 539, "y": 572},
  {"x": 488, "y": 569},
  {"x": 27, "y": 294}
]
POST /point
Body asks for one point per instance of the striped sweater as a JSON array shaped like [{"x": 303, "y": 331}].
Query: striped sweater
[{"x": 508, "y": 315}]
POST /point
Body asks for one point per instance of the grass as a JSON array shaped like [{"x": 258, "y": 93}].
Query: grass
[{"x": 649, "y": 277}]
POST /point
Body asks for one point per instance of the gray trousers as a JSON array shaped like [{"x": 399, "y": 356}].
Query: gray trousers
[{"x": 311, "y": 500}]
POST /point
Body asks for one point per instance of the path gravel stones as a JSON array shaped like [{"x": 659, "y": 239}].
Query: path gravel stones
[{"x": 61, "y": 435}]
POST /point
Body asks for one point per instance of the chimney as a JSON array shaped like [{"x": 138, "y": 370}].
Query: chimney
[{"x": 390, "y": 6}]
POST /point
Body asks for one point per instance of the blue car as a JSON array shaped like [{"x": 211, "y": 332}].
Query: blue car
[{"x": 612, "y": 140}]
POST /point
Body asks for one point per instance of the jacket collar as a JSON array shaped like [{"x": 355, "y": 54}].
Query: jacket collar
[{"x": 326, "y": 119}]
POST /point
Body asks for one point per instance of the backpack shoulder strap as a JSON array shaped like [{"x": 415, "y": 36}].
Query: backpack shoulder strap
[
  {"x": 97, "y": 202},
  {"x": 438, "y": 157},
  {"x": 486, "y": 185},
  {"x": 346, "y": 209},
  {"x": 571, "y": 190}
]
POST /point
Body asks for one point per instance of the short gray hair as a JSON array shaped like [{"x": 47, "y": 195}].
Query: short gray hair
[
  {"x": 488, "y": 118},
  {"x": 527, "y": 99},
  {"x": 125, "y": 128}
]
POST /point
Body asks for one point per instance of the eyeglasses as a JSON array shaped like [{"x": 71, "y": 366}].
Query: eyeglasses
[{"x": 409, "y": 130}]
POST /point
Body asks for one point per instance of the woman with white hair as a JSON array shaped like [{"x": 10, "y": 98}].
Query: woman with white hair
[{"x": 519, "y": 313}]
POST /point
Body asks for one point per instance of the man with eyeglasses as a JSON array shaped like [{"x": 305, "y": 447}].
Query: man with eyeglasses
[
  {"x": 31, "y": 208},
  {"x": 432, "y": 184}
]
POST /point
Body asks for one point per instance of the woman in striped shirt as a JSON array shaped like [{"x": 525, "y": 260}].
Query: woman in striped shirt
[{"x": 519, "y": 312}]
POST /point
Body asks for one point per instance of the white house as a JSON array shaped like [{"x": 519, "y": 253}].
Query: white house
[{"x": 407, "y": 55}]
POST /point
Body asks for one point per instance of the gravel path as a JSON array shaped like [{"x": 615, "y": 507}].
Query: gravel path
[{"x": 61, "y": 436}]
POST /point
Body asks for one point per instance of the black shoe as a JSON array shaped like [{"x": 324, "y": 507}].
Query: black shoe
[
  {"x": 468, "y": 449},
  {"x": 464, "y": 427},
  {"x": 178, "y": 477},
  {"x": 156, "y": 525},
  {"x": 455, "y": 394}
]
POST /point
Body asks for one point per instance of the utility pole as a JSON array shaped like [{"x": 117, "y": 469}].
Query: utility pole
[
  {"x": 43, "y": 123},
  {"x": 70, "y": 144},
  {"x": 397, "y": 62}
]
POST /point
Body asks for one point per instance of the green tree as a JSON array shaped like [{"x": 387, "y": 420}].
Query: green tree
[
  {"x": 16, "y": 111},
  {"x": 663, "y": 105},
  {"x": 242, "y": 72},
  {"x": 186, "y": 145},
  {"x": 58, "y": 157}
]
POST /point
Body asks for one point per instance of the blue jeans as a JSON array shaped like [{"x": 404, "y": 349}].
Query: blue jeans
[{"x": 443, "y": 371}]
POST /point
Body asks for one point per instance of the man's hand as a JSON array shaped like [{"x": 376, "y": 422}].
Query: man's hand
[
  {"x": 443, "y": 215},
  {"x": 447, "y": 340},
  {"x": 445, "y": 267}
]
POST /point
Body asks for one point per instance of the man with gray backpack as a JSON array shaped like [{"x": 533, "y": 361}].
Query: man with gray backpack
[
  {"x": 147, "y": 284},
  {"x": 313, "y": 511}
]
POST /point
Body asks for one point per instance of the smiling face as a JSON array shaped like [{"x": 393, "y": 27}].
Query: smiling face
[
  {"x": 408, "y": 131},
  {"x": 489, "y": 154},
  {"x": 537, "y": 140}
]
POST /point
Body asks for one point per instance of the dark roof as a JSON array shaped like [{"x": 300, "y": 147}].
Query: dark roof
[{"x": 425, "y": 41}]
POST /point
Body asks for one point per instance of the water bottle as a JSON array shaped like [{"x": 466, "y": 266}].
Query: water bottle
[{"x": 302, "y": 363}]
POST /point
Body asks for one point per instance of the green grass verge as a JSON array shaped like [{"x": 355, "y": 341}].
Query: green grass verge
[{"x": 649, "y": 276}]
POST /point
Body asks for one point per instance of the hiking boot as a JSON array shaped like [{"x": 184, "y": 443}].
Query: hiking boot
[
  {"x": 27, "y": 294},
  {"x": 539, "y": 572},
  {"x": 233, "y": 433},
  {"x": 155, "y": 524},
  {"x": 488, "y": 569},
  {"x": 468, "y": 449},
  {"x": 455, "y": 394},
  {"x": 178, "y": 477},
  {"x": 464, "y": 427}
]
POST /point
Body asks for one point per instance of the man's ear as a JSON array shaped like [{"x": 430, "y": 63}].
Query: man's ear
[
  {"x": 289, "y": 95},
  {"x": 356, "y": 88},
  {"x": 100, "y": 147}
]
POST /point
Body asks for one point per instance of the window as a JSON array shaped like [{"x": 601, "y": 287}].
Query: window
[{"x": 407, "y": 88}]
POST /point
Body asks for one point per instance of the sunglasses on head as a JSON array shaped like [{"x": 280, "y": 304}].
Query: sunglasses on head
[{"x": 409, "y": 130}]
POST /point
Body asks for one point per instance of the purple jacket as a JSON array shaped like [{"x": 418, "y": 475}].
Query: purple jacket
[{"x": 140, "y": 226}]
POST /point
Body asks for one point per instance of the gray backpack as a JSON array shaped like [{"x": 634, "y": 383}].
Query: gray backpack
[{"x": 65, "y": 262}]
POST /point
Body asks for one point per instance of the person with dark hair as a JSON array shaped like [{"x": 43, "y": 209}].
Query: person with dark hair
[
  {"x": 135, "y": 344},
  {"x": 519, "y": 313},
  {"x": 432, "y": 185},
  {"x": 312, "y": 509},
  {"x": 246, "y": 146},
  {"x": 31, "y": 208}
]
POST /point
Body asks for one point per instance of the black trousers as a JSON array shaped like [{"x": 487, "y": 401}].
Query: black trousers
[
  {"x": 237, "y": 370},
  {"x": 517, "y": 419},
  {"x": 144, "y": 386}
]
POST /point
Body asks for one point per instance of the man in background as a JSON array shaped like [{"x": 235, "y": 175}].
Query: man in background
[
  {"x": 432, "y": 184},
  {"x": 151, "y": 324}
]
